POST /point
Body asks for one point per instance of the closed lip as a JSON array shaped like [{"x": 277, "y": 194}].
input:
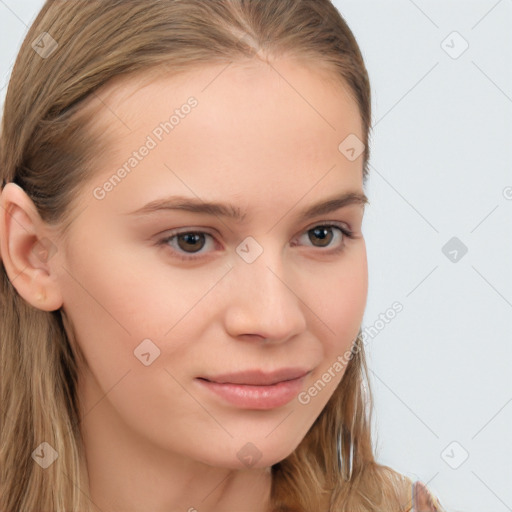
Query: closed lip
[{"x": 258, "y": 377}]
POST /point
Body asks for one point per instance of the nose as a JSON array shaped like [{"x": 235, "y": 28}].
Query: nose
[{"x": 263, "y": 301}]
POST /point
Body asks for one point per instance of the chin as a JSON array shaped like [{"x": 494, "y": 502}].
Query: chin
[{"x": 248, "y": 456}]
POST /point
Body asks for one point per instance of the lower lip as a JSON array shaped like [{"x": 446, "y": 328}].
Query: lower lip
[{"x": 256, "y": 397}]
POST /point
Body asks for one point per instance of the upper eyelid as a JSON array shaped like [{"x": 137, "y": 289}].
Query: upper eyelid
[
  {"x": 203, "y": 230},
  {"x": 335, "y": 223}
]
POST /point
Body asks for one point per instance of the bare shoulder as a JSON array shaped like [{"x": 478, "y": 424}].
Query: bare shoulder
[
  {"x": 413, "y": 496},
  {"x": 422, "y": 499},
  {"x": 402, "y": 493},
  {"x": 384, "y": 488}
]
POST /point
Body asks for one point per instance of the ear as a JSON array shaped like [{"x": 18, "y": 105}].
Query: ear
[{"x": 27, "y": 251}]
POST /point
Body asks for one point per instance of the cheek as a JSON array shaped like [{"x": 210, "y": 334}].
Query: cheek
[
  {"x": 341, "y": 311},
  {"x": 130, "y": 293},
  {"x": 343, "y": 303},
  {"x": 113, "y": 308},
  {"x": 117, "y": 299}
]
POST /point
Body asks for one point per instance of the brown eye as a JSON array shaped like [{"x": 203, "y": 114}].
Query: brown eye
[
  {"x": 326, "y": 236},
  {"x": 323, "y": 234},
  {"x": 188, "y": 245},
  {"x": 190, "y": 241}
]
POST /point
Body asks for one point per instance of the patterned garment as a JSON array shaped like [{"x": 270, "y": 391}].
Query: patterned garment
[{"x": 423, "y": 500}]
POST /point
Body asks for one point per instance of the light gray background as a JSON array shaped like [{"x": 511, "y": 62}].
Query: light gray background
[{"x": 440, "y": 168}]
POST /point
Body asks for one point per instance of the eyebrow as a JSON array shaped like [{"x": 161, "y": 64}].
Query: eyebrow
[{"x": 230, "y": 211}]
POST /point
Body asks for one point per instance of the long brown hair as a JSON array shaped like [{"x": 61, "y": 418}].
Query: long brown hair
[{"x": 48, "y": 146}]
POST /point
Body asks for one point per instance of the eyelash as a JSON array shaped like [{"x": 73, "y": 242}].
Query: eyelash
[{"x": 346, "y": 233}]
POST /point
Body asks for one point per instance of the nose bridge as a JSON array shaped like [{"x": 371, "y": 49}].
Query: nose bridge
[
  {"x": 260, "y": 279},
  {"x": 263, "y": 302}
]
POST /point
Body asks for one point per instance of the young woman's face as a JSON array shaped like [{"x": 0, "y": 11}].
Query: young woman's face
[{"x": 156, "y": 313}]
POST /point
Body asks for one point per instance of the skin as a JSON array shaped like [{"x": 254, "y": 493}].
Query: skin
[{"x": 154, "y": 438}]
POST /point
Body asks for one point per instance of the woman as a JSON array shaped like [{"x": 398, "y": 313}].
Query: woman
[{"x": 183, "y": 270}]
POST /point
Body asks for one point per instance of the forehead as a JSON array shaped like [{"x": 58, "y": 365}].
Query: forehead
[
  {"x": 256, "y": 127},
  {"x": 291, "y": 87}
]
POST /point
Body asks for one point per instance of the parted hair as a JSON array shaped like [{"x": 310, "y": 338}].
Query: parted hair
[{"x": 49, "y": 147}]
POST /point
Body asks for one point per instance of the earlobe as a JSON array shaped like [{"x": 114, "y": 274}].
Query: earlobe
[{"x": 26, "y": 250}]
